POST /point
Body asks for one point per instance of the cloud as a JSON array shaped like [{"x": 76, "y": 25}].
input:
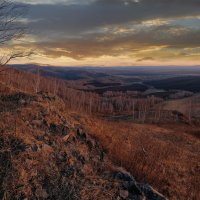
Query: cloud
[
  {"x": 81, "y": 17},
  {"x": 96, "y": 28},
  {"x": 63, "y": 2},
  {"x": 117, "y": 43},
  {"x": 145, "y": 59}
]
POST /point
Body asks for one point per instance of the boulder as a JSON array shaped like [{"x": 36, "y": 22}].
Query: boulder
[
  {"x": 123, "y": 194},
  {"x": 60, "y": 129},
  {"x": 152, "y": 194}
]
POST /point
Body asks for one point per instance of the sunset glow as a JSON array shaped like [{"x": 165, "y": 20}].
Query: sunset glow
[{"x": 112, "y": 32}]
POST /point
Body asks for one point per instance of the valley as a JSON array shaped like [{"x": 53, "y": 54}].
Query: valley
[{"x": 99, "y": 100}]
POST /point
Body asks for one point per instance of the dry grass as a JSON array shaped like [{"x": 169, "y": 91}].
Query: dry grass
[
  {"x": 165, "y": 158},
  {"x": 41, "y": 161}
]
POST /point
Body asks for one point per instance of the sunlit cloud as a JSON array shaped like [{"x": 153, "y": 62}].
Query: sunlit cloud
[
  {"x": 112, "y": 32},
  {"x": 64, "y": 2}
]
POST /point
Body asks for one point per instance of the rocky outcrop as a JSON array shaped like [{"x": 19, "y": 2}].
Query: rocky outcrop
[{"x": 43, "y": 156}]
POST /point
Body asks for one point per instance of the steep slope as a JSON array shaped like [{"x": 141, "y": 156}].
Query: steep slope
[
  {"x": 163, "y": 155},
  {"x": 44, "y": 157}
]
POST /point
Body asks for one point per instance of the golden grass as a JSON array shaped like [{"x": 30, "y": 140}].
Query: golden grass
[{"x": 165, "y": 158}]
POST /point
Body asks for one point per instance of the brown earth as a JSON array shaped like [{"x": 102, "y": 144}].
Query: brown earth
[{"x": 45, "y": 155}]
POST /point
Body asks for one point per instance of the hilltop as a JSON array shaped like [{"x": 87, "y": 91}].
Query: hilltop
[{"x": 44, "y": 155}]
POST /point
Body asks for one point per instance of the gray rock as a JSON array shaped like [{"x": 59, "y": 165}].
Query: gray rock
[
  {"x": 152, "y": 194},
  {"x": 123, "y": 194}
]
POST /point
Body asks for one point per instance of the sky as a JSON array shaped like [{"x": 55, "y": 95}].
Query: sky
[{"x": 112, "y": 32}]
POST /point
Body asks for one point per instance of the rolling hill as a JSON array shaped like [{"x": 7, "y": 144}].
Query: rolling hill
[{"x": 187, "y": 83}]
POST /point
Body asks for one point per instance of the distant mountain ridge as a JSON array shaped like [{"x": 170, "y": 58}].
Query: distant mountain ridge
[
  {"x": 123, "y": 78},
  {"x": 188, "y": 83}
]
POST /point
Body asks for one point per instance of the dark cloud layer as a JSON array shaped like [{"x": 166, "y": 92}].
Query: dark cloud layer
[
  {"x": 73, "y": 18},
  {"x": 112, "y": 27},
  {"x": 162, "y": 36}
]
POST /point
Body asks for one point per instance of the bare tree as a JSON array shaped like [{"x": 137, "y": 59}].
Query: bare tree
[
  {"x": 37, "y": 82},
  {"x": 133, "y": 104},
  {"x": 11, "y": 29}
]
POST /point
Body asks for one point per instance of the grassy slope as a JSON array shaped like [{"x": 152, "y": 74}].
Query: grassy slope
[
  {"x": 166, "y": 157},
  {"x": 44, "y": 156},
  {"x": 181, "y": 105}
]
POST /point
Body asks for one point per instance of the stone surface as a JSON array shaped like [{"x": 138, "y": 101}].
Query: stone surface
[{"x": 123, "y": 194}]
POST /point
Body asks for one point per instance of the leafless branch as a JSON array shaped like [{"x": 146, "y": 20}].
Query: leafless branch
[{"x": 11, "y": 28}]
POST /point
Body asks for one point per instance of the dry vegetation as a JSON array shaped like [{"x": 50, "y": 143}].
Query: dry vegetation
[
  {"x": 43, "y": 156},
  {"x": 166, "y": 157},
  {"x": 142, "y": 110}
]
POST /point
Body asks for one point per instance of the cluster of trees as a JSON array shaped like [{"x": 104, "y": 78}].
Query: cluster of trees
[
  {"x": 148, "y": 109},
  {"x": 141, "y": 109},
  {"x": 75, "y": 99},
  {"x": 193, "y": 108},
  {"x": 111, "y": 103}
]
